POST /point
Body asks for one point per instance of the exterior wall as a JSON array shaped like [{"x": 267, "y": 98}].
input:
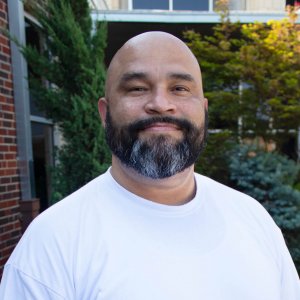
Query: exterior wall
[
  {"x": 109, "y": 4},
  {"x": 269, "y": 5},
  {"x": 10, "y": 225}
]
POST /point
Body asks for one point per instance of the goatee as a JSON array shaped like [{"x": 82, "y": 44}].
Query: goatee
[{"x": 158, "y": 156}]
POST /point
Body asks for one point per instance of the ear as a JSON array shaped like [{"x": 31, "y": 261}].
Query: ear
[
  {"x": 205, "y": 103},
  {"x": 102, "y": 108}
]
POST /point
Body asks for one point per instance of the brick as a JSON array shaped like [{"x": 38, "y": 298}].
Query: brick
[
  {"x": 3, "y": 24},
  {"x": 9, "y": 156},
  {"x": 8, "y": 124},
  {"x": 5, "y": 50},
  {"x": 7, "y": 227},
  {"x": 9, "y": 219},
  {"x": 6, "y": 91},
  {"x": 7, "y": 107},
  {"x": 3, "y": 15},
  {"x": 4, "y": 180},
  {"x": 10, "y": 140},
  {"x": 6, "y": 67},
  {"x": 12, "y": 132},
  {"x": 9, "y": 172},
  {"x": 11, "y": 187},
  {"x": 9, "y": 100},
  {"x": 4, "y": 237},
  {"x": 8, "y": 84},
  {"x": 3, "y": 213},
  {"x": 4, "y": 40},
  {"x": 9, "y": 116},
  {"x": 4, "y": 148},
  {"x": 15, "y": 179},
  {"x": 11, "y": 164},
  {"x": 4, "y": 57},
  {"x": 4, "y": 75},
  {"x": 13, "y": 148},
  {"x": 13, "y": 240},
  {"x": 10, "y": 203}
]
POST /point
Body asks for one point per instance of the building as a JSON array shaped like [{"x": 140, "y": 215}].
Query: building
[
  {"x": 27, "y": 137},
  {"x": 127, "y": 18}
]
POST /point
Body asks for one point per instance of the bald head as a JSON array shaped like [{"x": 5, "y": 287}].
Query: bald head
[
  {"x": 153, "y": 47},
  {"x": 154, "y": 105}
]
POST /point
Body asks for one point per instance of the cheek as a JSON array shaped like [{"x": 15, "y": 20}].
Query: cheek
[
  {"x": 194, "y": 111},
  {"x": 125, "y": 110},
  {"x": 124, "y": 114}
]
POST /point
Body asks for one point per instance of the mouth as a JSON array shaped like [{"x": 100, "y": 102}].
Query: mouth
[{"x": 161, "y": 127}]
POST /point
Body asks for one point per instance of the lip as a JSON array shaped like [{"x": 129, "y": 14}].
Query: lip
[{"x": 162, "y": 127}]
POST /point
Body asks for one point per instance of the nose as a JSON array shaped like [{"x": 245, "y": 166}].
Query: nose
[{"x": 160, "y": 102}]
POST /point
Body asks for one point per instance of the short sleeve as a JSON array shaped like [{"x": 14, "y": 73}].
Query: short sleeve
[{"x": 16, "y": 284}]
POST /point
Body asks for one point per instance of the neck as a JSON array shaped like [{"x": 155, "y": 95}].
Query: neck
[{"x": 174, "y": 190}]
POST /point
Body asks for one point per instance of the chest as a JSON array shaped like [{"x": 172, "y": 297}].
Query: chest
[{"x": 180, "y": 265}]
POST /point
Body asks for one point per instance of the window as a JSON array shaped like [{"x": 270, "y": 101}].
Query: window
[
  {"x": 190, "y": 5},
  {"x": 154, "y": 4},
  {"x": 195, "y": 5},
  {"x": 42, "y": 148},
  {"x": 41, "y": 129},
  {"x": 234, "y": 4}
]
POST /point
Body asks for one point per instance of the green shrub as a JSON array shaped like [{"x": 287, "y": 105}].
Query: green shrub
[{"x": 270, "y": 178}]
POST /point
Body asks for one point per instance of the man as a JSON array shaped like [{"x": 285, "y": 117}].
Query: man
[{"x": 150, "y": 228}]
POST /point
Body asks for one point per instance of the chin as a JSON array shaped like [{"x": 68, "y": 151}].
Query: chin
[{"x": 171, "y": 137}]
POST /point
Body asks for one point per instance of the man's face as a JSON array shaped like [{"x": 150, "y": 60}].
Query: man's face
[{"x": 156, "y": 121}]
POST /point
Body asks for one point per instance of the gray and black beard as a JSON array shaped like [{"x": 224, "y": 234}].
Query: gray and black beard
[{"x": 158, "y": 156}]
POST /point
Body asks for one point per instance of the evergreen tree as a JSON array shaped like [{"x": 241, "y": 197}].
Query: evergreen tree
[{"x": 72, "y": 65}]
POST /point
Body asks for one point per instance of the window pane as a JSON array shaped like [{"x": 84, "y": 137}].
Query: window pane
[
  {"x": 154, "y": 4},
  {"x": 42, "y": 148},
  {"x": 190, "y": 5},
  {"x": 234, "y": 4}
]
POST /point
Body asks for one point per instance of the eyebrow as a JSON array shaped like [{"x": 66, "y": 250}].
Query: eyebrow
[
  {"x": 181, "y": 76},
  {"x": 126, "y": 77}
]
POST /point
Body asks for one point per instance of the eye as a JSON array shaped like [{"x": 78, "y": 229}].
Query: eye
[
  {"x": 180, "y": 89},
  {"x": 137, "y": 89}
]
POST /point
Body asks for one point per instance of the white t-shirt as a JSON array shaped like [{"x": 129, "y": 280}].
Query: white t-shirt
[{"x": 103, "y": 242}]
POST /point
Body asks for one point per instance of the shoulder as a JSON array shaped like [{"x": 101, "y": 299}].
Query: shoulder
[
  {"x": 49, "y": 246},
  {"x": 235, "y": 204},
  {"x": 67, "y": 212},
  {"x": 225, "y": 193},
  {"x": 57, "y": 231}
]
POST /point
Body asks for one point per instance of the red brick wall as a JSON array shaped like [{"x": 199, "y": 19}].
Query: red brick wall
[{"x": 10, "y": 226}]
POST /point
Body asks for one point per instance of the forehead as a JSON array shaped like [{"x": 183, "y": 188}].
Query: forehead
[{"x": 154, "y": 57}]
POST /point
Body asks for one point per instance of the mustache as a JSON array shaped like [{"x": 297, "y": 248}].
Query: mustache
[{"x": 139, "y": 125}]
